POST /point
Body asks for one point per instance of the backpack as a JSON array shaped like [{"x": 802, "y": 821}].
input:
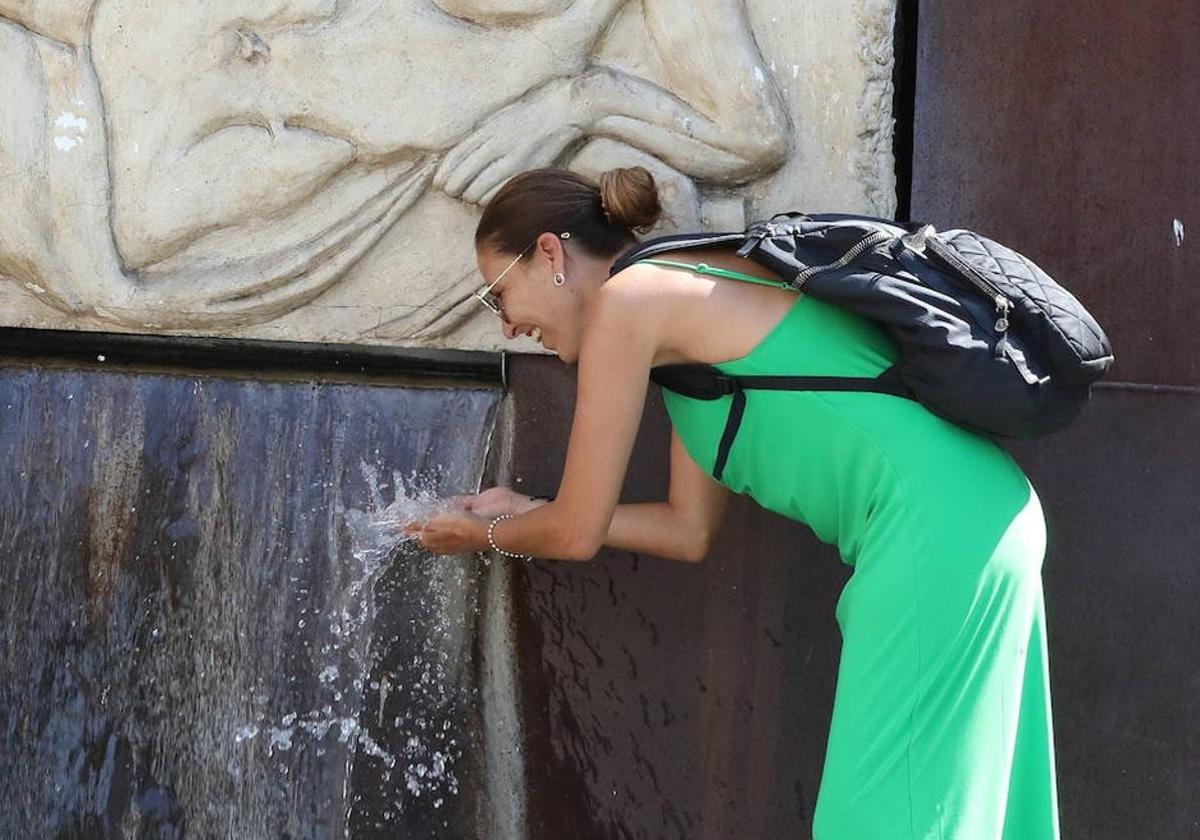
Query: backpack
[{"x": 987, "y": 339}]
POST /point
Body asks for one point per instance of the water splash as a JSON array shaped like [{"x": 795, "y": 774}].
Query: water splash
[
  {"x": 344, "y": 663},
  {"x": 179, "y": 551}
]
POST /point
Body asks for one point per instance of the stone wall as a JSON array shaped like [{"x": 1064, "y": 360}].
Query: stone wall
[{"x": 313, "y": 170}]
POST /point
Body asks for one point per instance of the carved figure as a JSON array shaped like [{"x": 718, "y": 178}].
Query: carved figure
[{"x": 218, "y": 164}]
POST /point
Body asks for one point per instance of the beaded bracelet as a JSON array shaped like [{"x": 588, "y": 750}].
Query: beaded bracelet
[{"x": 492, "y": 539}]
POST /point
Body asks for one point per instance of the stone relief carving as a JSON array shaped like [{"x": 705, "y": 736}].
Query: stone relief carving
[{"x": 243, "y": 166}]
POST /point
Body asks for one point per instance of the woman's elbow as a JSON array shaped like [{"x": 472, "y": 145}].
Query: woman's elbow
[
  {"x": 581, "y": 548},
  {"x": 696, "y": 548}
]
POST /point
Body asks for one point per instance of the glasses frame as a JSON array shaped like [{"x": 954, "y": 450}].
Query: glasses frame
[{"x": 484, "y": 294}]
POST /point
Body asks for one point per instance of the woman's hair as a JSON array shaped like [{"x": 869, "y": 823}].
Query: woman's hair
[{"x": 603, "y": 218}]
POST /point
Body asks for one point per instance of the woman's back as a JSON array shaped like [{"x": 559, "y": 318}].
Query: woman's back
[{"x": 845, "y": 462}]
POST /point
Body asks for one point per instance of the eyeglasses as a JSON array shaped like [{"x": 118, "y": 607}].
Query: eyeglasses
[
  {"x": 492, "y": 302},
  {"x": 485, "y": 296}
]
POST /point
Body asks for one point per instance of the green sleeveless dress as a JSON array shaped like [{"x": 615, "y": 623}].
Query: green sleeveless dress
[{"x": 941, "y": 721}]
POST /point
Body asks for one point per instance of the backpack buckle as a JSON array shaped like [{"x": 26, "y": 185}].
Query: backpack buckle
[
  {"x": 697, "y": 381},
  {"x": 762, "y": 230}
]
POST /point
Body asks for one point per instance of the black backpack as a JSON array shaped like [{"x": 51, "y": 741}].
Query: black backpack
[{"x": 987, "y": 339}]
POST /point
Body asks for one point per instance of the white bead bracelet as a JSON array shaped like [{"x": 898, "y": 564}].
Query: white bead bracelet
[{"x": 492, "y": 539}]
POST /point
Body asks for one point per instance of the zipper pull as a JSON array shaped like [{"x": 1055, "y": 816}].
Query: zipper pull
[{"x": 1003, "y": 304}]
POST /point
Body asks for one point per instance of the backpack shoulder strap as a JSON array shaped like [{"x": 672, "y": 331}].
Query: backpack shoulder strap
[
  {"x": 707, "y": 382},
  {"x": 715, "y": 271},
  {"x": 680, "y": 242},
  {"x": 746, "y": 240}
]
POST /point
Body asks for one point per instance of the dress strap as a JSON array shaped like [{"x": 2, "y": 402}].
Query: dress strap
[{"x": 705, "y": 268}]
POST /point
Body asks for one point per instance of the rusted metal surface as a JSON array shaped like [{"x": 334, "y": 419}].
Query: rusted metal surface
[
  {"x": 1120, "y": 490},
  {"x": 667, "y": 700},
  {"x": 1068, "y": 130}
]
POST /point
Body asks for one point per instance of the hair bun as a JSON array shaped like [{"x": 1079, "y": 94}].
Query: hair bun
[{"x": 629, "y": 197}]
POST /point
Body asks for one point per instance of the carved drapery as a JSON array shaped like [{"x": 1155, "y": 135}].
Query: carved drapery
[{"x": 309, "y": 169}]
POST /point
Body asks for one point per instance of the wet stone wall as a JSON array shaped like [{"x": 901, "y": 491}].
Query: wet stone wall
[{"x": 200, "y": 633}]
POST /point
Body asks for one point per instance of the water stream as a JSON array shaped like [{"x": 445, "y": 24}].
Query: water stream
[{"x": 210, "y": 625}]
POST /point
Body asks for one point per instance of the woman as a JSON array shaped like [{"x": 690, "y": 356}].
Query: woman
[{"x": 941, "y": 724}]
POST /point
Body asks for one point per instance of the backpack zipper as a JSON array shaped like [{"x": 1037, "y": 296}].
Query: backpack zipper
[
  {"x": 869, "y": 241},
  {"x": 975, "y": 278}
]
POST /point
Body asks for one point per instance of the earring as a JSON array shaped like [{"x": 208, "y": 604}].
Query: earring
[{"x": 559, "y": 277}]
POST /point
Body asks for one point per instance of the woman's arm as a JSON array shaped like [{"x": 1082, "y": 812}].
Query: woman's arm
[
  {"x": 618, "y": 347},
  {"x": 617, "y": 350},
  {"x": 683, "y": 527}
]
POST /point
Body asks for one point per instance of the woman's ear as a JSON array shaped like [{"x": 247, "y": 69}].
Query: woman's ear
[{"x": 551, "y": 245}]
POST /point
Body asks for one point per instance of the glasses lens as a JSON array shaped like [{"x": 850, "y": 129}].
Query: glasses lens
[{"x": 491, "y": 302}]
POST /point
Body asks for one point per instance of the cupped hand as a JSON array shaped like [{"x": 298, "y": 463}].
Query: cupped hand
[
  {"x": 496, "y": 501},
  {"x": 452, "y": 532}
]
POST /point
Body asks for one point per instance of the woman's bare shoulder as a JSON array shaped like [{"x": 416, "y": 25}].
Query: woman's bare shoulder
[
  {"x": 643, "y": 282},
  {"x": 699, "y": 317}
]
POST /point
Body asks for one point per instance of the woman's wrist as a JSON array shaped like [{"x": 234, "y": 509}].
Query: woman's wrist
[
  {"x": 491, "y": 539},
  {"x": 479, "y": 537},
  {"x": 535, "y": 502}
]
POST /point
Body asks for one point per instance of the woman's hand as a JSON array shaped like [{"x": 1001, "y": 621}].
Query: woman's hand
[
  {"x": 453, "y": 532},
  {"x": 464, "y": 529},
  {"x": 497, "y": 501}
]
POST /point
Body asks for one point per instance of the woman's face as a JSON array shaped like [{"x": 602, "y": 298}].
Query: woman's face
[{"x": 530, "y": 301}]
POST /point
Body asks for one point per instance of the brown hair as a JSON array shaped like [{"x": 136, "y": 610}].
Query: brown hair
[{"x": 602, "y": 218}]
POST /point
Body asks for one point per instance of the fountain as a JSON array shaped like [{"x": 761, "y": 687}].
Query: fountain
[{"x": 209, "y": 625}]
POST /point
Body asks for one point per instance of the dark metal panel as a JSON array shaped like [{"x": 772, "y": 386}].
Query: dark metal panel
[
  {"x": 195, "y": 636},
  {"x": 667, "y": 700},
  {"x": 1121, "y": 491},
  {"x": 106, "y": 351},
  {"x": 1068, "y": 130}
]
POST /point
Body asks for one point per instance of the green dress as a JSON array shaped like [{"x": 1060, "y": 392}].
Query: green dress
[{"x": 941, "y": 721}]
